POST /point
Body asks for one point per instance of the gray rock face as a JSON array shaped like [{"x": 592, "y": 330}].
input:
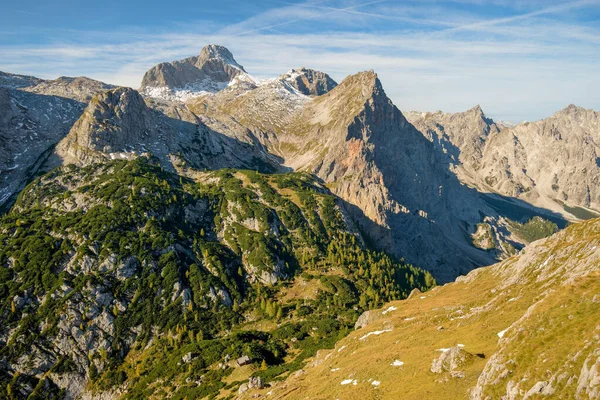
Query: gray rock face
[
  {"x": 461, "y": 137},
  {"x": 407, "y": 201},
  {"x": 30, "y": 125},
  {"x": 34, "y": 115},
  {"x": 112, "y": 122},
  {"x": 210, "y": 71},
  {"x": 309, "y": 82},
  {"x": 366, "y": 318},
  {"x": 15, "y": 81},
  {"x": 253, "y": 383},
  {"x": 548, "y": 163}
]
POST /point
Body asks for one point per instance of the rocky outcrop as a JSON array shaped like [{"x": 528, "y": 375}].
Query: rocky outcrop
[
  {"x": 253, "y": 383},
  {"x": 451, "y": 360},
  {"x": 366, "y": 318},
  {"x": 114, "y": 122}
]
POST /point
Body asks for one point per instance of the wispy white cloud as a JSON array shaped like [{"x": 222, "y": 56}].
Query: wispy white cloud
[{"x": 508, "y": 20}]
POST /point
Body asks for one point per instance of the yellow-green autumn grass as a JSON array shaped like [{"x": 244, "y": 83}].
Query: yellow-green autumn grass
[{"x": 545, "y": 302}]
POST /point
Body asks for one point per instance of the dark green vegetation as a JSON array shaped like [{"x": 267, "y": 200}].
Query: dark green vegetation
[
  {"x": 534, "y": 229},
  {"x": 123, "y": 272},
  {"x": 579, "y": 212}
]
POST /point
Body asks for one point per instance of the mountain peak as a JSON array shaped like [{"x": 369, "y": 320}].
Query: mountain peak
[
  {"x": 112, "y": 122},
  {"x": 309, "y": 81},
  {"x": 571, "y": 108},
  {"x": 217, "y": 52},
  {"x": 477, "y": 112},
  {"x": 367, "y": 79},
  {"x": 574, "y": 111},
  {"x": 209, "y": 72}
]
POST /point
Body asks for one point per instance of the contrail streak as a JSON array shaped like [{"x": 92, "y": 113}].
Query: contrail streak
[{"x": 334, "y": 10}]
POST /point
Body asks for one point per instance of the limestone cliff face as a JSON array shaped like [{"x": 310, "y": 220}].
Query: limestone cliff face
[
  {"x": 460, "y": 136},
  {"x": 372, "y": 157},
  {"x": 114, "y": 122},
  {"x": 34, "y": 115},
  {"x": 30, "y": 125},
  {"x": 547, "y": 163},
  {"x": 210, "y": 71},
  {"x": 555, "y": 159},
  {"x": 117, "y": 118}
]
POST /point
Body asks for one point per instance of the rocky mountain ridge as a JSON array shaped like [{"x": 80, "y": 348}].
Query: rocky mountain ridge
[
  {"x": 549, "y": 163},
  {"x": 359, "y": 143},
  {"x": 410, "y": 186}
]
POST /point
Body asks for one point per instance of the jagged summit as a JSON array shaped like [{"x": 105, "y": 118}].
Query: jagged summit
[
  {"x": 217, "y": 52},
  {"x": 112, "y": 122},
  {"x": 476, "y": 110},
  {"x": 363, "y": 84},
  {"x": 209, "y": 72},
  {"x": 574, "y": 109},
  {"x": 309, "y": 82}
]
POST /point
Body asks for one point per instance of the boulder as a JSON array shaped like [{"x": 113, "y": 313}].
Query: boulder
[
  {"x": 451, "y": 360},
  {"x": 366, "y": 318}
]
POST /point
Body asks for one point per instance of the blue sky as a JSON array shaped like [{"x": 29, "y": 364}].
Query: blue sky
[{"x": 518, "y": 59}]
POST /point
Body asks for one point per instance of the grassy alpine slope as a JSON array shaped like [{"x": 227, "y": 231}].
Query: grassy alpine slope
[
  {"x": 127, "y": 279},
  {"x": 524, "y": 328}
]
